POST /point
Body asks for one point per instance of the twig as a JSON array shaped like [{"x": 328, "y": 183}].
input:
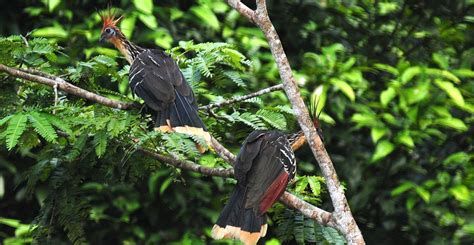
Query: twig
[
  {"x": 345, "y": 222},
  {"x": 188, "y": 165},
  {"x": 66, "y": 87},
  {"x": 244, "y": 97}
]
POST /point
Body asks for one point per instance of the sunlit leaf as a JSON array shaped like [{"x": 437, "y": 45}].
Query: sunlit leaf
[
  {"x": 377, "y": 133},
  {"x": 387, "y": 95},
  {"x": 452, "y": 91},
  {"x": 454, "y": 123},
  {"x": 344, "y": 87},
  {"x": 383, "y": 149},
  {"x": 145, "y": 6}
]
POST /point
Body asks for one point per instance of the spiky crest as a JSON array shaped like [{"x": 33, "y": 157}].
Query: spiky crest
[{"x": 109, "y": 18}]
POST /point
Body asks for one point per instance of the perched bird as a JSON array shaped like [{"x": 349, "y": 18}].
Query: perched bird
[
  {"x": 264, "y": 166},
  {"x": 156, "y": 78}
]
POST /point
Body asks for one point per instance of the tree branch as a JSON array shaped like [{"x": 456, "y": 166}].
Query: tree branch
[
  {"x": 243, "y": 97},
  {"x": 61, "y": 84},
  {"x": 345, "y": 222},
  {"x": 188, "y": 165}
]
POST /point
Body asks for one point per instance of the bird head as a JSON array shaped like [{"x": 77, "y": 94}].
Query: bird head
[{"x": 110, "y": 32}]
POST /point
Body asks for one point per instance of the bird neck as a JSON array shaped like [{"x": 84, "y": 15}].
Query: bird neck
[
  {"x": 127, "y": 48},
  {"x": 296, "y": 140}
]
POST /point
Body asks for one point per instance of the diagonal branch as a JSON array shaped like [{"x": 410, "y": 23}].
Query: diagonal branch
[
  {"x": 243, "y": 97},
  {"x": 61, "y": 84},
  {"x": 342, "y": 214}
]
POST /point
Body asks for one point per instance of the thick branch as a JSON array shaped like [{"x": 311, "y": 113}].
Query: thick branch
[
  {"x": 66, "y": 87},
  {"x": 244, "y": 97},
  {"x": 342, "y": 214}
]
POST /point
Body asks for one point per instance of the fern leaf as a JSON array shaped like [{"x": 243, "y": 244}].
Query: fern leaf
[
  {"x": 58, "y": 123},
  {"x": 285, "y": 109},
  {"x": 100, "y": 142},
  {"x": 273, "y": 118},
  {"x": 5, "y": 119},
  {"x": 16, "y": 127},
  {"x": 235, "y": 78},
  {"x": 42, "y": 126},
  {"x": 249, "y": 119}
]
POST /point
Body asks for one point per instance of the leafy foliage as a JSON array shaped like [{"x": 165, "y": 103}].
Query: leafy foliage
[{"x": 394, "y": 78}]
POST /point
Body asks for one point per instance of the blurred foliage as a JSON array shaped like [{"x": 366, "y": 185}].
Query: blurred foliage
[{"x": 394, "y": 79}]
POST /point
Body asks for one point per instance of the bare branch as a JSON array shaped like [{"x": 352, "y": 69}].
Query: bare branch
[
  {"x": 66, "y": 87},
  {"x": 243, "y": 97},
  {"x": 242, "y": 9},
  {"x": 188, "y": 165},
  {"x": 343, "y": 218}
]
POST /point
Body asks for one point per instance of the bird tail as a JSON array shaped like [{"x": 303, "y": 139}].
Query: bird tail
[
  {"x": 238, "y": 222},
  {"x": 180, "y": 113}
]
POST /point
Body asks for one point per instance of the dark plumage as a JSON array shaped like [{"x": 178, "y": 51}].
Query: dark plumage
[
  {"x": 264, "y": 166},
  {"x": 155, "y": 77}
]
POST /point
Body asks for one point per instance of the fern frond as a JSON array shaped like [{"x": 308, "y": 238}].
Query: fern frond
[
  {"x": 273, "y": 118},
  {"x": 16, "y": 127},
  {"x": 5, "y": 119},
  {"x": 249, "y": 119},
  {"x": 58, "y": 123},
  {"x": 235, "y": 78},
  {"x": 100, "y": 143},
  {"x": 42, "y": 126}
]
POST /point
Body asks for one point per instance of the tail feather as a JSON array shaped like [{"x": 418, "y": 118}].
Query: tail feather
[
  {"x": 180, "y": 113},
  {"x": 238, "y": 222}
]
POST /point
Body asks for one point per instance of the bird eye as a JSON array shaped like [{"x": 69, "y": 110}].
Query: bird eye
[{"x": 109, "y": 31}]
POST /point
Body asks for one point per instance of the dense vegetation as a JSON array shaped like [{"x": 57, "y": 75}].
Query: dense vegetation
[{"x": 394, "y": 79}]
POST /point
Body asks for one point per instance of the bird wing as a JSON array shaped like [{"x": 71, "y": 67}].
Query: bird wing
[
  {"x": 266, "y": 163},
  {"x": 156, "y": 78}
]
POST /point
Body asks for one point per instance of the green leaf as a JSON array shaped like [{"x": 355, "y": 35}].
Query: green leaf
[
  {"x": 100, "y": 142},
  {"x": 441, "y": 60},
  {"x": 145, "y": 6},
  {"x": 127, "y": 25},
  {"x": 454, "y": 123},
  {"x": 42, "y": 126},
  {"x": 383, "y": 149},
  {"x": 315, "y": 185},
  {"x": 16, "y": 127},
  {"x": 52, "y": 4},
  {"x": 148, "y": 20},
  {"x": 56, "y": 31},
  {"x": 409, "y": 73},
  {"x": 5, "y": 119},
  {"x": 387, "y": 95},
  {"x": 443, "y": 73},
  {"x": 452, "y": 91},
  {"x": 344, "y": 87},
  {"x": 423, "y": 193},
  {"x": 405, "y": 138},
  {"x": 387, "y": 68},
  {"x": 461, "y": 193},
  {"x": 165, "y": 185},
  {"x": 402, "y": 188},
  {"x": 301, "y": 184},
  {"x": 206, "y": 15},
  {"x": 377, "y": 133}
]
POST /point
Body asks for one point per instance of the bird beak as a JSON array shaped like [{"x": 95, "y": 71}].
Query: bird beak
[{"x": 102, "y": 38}]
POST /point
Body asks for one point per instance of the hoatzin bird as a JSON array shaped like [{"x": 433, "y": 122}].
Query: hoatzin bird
[
  {"x": 264, "y": 166},
  {"x": 156, "y": 78}
]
